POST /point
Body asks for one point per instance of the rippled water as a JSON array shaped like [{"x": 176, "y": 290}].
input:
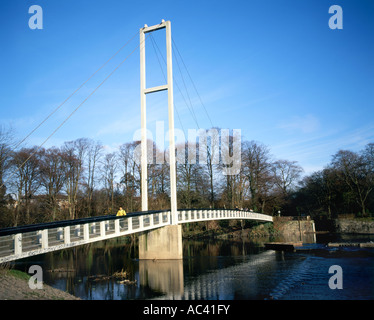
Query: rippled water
[{"x": 211, "y": 269}]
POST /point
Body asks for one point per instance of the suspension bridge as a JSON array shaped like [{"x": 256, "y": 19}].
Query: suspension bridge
[
  {"x": 160, "y": 232},
  {"x": 26, "y": 241}
]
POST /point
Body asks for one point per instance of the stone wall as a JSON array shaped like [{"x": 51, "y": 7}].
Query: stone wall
[
  {"x": 354, "y": 226},
  {"x": 295, "y": 230}
]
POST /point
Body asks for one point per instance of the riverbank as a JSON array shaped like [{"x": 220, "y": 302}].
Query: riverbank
[{"x": 14, "y": 286}]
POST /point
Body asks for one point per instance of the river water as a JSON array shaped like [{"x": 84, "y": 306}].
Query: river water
[{"x": 211, "y": 270}]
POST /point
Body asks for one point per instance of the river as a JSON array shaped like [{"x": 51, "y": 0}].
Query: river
[{"x": 211, "y": 270}]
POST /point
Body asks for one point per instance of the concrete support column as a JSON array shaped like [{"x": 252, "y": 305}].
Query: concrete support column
[{"x": 162, "y": 243}]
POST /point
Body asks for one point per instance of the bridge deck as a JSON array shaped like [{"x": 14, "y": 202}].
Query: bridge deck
[{"x": 25, "y": 241}]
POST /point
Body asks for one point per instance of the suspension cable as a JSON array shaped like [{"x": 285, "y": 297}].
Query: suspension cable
[
  {"x": 71, "y": 114},
  {"x": 163, "y": 73},
  {"x": 176, "y": 83},
  {"x": 185, "y": 87},
  {"x": 74, "y": 92},
  {"x": 189, "y": 75}
]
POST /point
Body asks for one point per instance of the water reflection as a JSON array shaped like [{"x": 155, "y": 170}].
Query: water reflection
[
  {"x": 231, "y": 282},
  {"x": 165, "y": 276},
  {"x": 211, "y": 269},
  {"x": 87, "y": 271}
]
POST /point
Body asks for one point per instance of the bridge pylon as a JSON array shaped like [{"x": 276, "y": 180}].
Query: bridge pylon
[
  {"x": 163, "y": 243},
  {"x": 143, "y": 92}
]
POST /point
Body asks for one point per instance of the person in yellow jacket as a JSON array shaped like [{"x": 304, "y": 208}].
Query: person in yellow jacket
[{"x": 121, "y": 212}]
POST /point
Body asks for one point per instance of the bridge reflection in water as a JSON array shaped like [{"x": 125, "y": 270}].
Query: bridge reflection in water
[
  {"x": 224, "y": 283},
  {"x": 164, "y": 276}
]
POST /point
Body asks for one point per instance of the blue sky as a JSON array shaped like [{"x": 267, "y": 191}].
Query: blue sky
[{"x": 273, "y": 69}]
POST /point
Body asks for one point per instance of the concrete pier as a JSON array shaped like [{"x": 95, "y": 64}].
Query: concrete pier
[{"x": 162, "y": 243}]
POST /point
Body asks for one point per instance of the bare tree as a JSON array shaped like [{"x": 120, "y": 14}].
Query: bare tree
[
  {"x": 256, "y": 167},
  {"x": 212, "y": 164},
  {"x": 356, "y": 170},
  {"x": 6, "y": 143},
  {"x": 94, "y": 154},
  {"x": 184, "y": 175},
  {"x": 368, "y": 161},
  {"x": 109, "y": 171},
  {"x": 130, "y": 173},
  {"x": 321, "y": 186},
  {"x": 52, "y": 177},
  {"x": 286, "y": 174},
  {"x": 75, "y": 152},
  {"x": 162, "y": 175},
  {"x": 26, "y": 165}
]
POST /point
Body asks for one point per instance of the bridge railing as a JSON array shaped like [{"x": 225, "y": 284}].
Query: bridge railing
[
  {"x": 195, "y": 215},
  {"x": 25, "y": 241}
]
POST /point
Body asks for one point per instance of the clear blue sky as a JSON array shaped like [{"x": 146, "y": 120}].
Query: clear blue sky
[{"x": 273, "y": 69}]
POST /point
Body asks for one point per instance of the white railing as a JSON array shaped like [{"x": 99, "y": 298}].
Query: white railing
[
  {"x": 185, "y": 216},
  {"x": 43, "y": 238}
]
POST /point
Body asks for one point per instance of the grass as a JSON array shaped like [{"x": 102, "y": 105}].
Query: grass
[
  {"x": 19, "y": 274},
  {"x": 6, "y": 269}
]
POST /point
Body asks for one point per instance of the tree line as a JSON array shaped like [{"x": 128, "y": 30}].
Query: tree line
[
  {"x": 81, "y": 179},
  {"x": 344, "y": 186}
]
